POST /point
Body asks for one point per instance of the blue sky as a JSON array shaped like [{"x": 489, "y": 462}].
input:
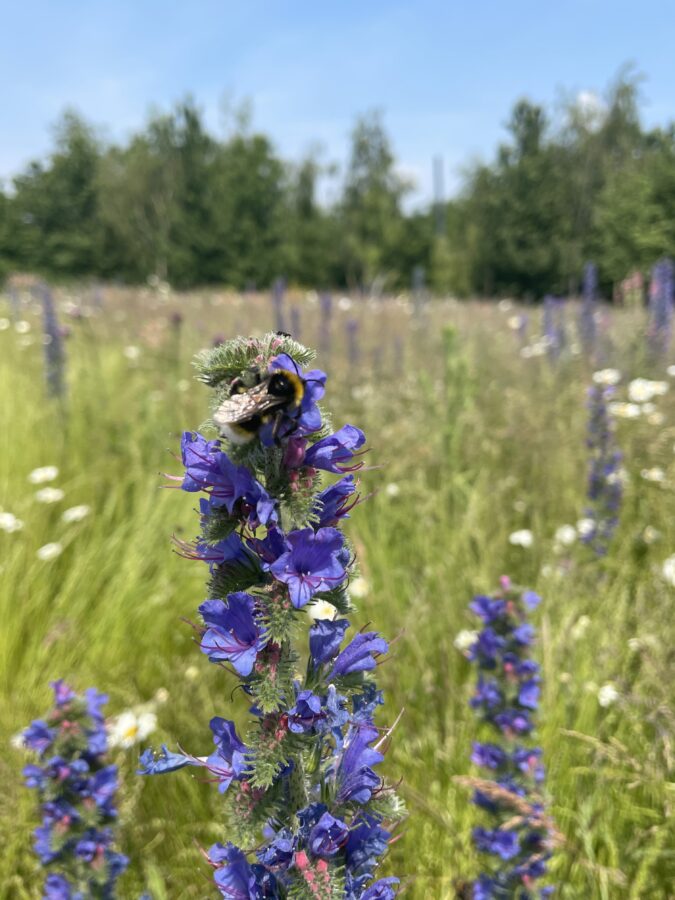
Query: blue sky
[{"x": 445, "y": 73}]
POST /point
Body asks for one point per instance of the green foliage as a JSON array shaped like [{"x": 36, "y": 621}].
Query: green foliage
[
  {"x": 370, "y": 210},
  {"x": 568, "y": 184}
]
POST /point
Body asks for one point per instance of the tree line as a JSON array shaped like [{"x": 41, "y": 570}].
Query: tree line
[{"x": 583, "y": 181}]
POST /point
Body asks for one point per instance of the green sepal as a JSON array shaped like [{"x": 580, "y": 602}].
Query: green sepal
[
  {"x": 272, "y": 687},
  {"x": 332, "y": 889},
  {"x": 278, "y": 616},
  {"x": 218, "y": 525},
  {"x": 234, "y": 577},
  {"x": 388, "y": 805},
  {"x": 230, "y": 359},
  {"x": 247, "y": 814},
  {"x": 272, "y": 747}
]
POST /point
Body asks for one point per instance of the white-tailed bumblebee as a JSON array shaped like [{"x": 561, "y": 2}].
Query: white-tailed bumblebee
[{"x": 256, "y": 399}]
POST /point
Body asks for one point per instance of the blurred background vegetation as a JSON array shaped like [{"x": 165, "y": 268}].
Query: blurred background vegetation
[{"x": 574, "y": 182}]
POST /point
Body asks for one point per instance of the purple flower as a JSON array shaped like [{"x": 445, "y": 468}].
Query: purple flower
[
  {"x": 97, "y": 739},
  {"x": 335, "y": 714},
  {"x": 43, "y": 842},
  {"x": 532, "y": 868},
  {"x": 35, "y": 776},
  {"x": 92, "y": 844},
  {"x": 63, "y": 693},
  {"x": 531, "y": 599},
  {"x": 513, "y": 721},
  {"x": 355, "y": 778},
  {"x": 359, "y": 655},
  {"x": 523, "y": 634},
  {"x": 525, "y": 667},
  {"x": 331, "y": 504},
  {"x": 367, "y": 841},
  {"x": 233, "y": 634},
  {"x": 325, "y": 638},
  {"x": 528, "y": 695},
  {"x": 231, "y": 550},
  {"x": 208, "y": 469},
  {"x": 489, "y": 609},
  {"x": 333, "y": 452},
  {"x": 487, "y": 646},
  {"x": 233, "y": 875},
  {"x": 502, "y": 843},
  {"x": 158, "y": 763},
  {"x": 383, "y": 889},
  {"x": 305, "y": 714},
  {"x": 102, "y": 787},
  {"x": 95, "y": 701},
  {"x": 528, "y": 760},
  {"x": 56, "y": 887},
  {"x": 278, "y": 855},
  {"x": 328, "y": 836},
  {"x": 38, "y": 736},
  {"x": 228, "y": 761},
  {"x": 487, "y": 694},
  {"x": 490, "y": 756},
  {"x": 199, "y": 457},
  {"x": 484, "y": 888},
  {"x": 311, "y": 563},
  {"x": 269, "y": 548}
]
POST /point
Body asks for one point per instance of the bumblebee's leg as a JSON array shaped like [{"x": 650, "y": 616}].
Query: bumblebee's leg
[
  {"x": 279, "y": 415},
  {"x": 275, "y": 428}
]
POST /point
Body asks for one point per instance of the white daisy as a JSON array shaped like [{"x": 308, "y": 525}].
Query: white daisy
[
  {"x": 130, "y": 728},
  {"x": 321, "y": 609},
  {"x": 465, "y": 639},
  {"x": 668, "y": 570},
  {"x": 359, "y": 588},
  {"x": 49, "y": 495},
  {"x": 9, "y": 522},
  {"x": 607, "y": 695},
  {"x": 43, "y": 474},
  {"x": 49, "y": 551},
  {"x": 566, "y": 535},
  {"x": 607, "y": 377},
  {"x": 522, "y": 538},
  {"x": 75, "y": 513}
]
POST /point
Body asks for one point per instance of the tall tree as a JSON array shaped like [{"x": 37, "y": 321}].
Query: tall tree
[
  {"x": 370, "y": 211},
  {"x": 56, "y": 204}
]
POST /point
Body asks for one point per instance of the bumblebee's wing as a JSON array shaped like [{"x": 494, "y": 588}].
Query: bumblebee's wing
[{"x": 244, "y": 406}]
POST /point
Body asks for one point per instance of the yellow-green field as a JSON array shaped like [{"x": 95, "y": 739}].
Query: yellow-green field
[{"x": 471, "y": 441}]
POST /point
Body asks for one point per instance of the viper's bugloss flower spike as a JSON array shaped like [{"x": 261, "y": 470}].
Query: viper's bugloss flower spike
[
  {"x": 605, "y": 488},
  {"x": 661, "y": 301},
  {"x": 587, "y": 328},
  {"x": 55, "y": 354},
  {"x": 76, "y": 788},
  {"x": 301, "y": 781},
  {"x": 518, "y": 838}
]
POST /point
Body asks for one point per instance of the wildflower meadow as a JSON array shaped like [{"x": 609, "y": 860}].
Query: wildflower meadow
[{"x": 417, "y": 642}]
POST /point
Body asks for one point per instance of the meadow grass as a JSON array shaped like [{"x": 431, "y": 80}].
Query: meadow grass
[{"x": 469, "y": 442}]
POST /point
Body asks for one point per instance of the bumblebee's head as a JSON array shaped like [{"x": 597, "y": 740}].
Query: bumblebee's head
[{"x": 287, "y": 386}]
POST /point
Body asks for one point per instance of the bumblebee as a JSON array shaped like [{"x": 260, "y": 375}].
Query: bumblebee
[{"x": 256, "y": 399}]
